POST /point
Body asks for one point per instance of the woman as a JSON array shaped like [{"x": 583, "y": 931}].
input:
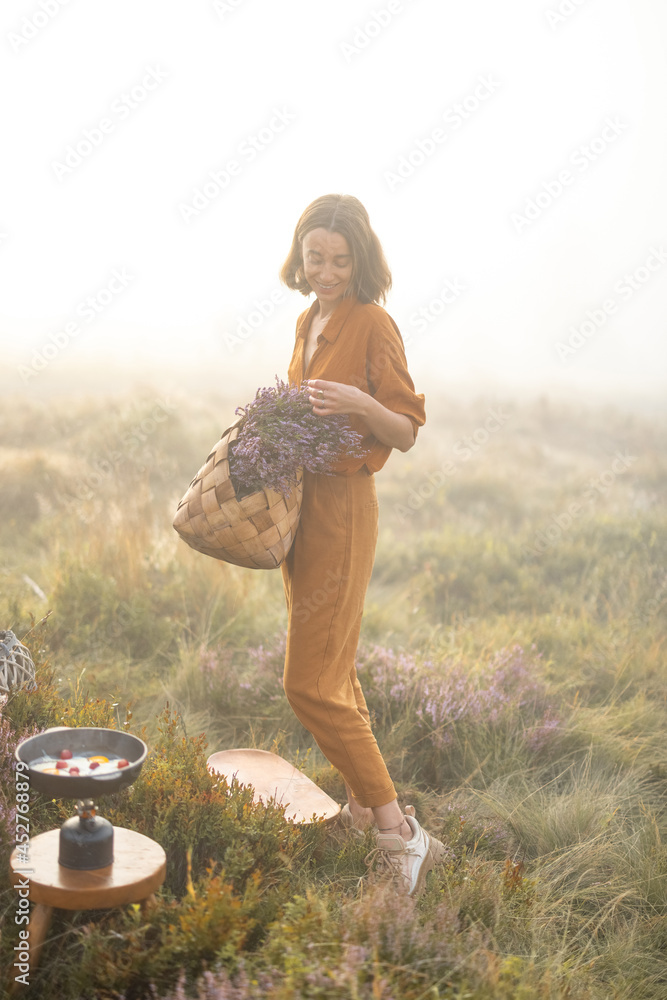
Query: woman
[{"x": 351, "y": 353}]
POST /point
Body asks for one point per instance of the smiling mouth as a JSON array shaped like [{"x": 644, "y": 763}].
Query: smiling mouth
[{"x": 327, "y": 287}]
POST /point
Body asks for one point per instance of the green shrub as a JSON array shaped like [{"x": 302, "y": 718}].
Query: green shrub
[{"x": 180, "y": 804}]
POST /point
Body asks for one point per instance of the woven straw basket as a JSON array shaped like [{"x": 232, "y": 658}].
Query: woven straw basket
[
  {"x": 256, "y": 532},
  {"x": 16, "y": 667}
]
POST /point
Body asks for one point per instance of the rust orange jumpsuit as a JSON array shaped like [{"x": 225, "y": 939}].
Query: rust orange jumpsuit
[{"x": 328, "y": 568}]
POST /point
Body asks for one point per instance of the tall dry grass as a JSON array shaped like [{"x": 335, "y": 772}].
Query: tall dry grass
[{"x": 513, "y": 660}]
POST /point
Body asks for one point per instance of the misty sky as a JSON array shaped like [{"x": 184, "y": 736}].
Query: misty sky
[{"x": 512, "y": 157}]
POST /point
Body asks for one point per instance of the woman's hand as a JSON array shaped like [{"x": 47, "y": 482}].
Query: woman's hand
[
  {"x": 393, "y": 429},
  {"x": 335, "y": 397}
]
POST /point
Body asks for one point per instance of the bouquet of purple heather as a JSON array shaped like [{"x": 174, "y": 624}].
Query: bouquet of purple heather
[
  {"x": 279, "y": 434},
  {"x": 244, "y": 504}
]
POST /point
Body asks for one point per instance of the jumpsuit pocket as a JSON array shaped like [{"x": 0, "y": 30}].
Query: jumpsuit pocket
[
  {"x": 337, "y": 493},
  {"x": 371, "y": 496}
]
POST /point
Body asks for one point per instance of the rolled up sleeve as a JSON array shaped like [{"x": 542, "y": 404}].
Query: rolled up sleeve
[{"x": 387, "y": 372}]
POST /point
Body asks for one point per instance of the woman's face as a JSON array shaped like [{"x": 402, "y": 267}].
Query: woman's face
[{"x": 327, "y": 265}]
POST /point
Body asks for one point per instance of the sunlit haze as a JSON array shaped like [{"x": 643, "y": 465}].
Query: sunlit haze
[{"x": 511, "y": 156}]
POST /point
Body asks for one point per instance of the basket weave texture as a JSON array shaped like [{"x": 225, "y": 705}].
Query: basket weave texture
[
  {"x": 16, "y": 667},
  {"x": 256, "y": 532}
]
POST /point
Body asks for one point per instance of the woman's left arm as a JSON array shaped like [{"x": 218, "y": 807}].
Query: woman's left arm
[{"x": 390, "y": 428}]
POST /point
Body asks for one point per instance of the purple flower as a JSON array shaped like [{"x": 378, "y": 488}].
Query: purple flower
[
  {"x": 280, "y": 434},
  {"x": 539, "y": 735},
  {"x": 447, "y": 696}
]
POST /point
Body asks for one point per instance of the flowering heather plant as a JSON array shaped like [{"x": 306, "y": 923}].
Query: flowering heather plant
[
  {"x": 280, "y": 434},
  {"x": 447, "y": 696},
  {"x": 257, "y": 682},
  {"x": 540, "y": 735},
  {"x": 506, "y": 685}
]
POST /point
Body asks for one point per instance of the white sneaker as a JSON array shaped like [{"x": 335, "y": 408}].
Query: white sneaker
[{"x": 408, "y": 861}]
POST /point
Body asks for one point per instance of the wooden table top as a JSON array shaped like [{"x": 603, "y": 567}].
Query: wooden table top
[{"x": 139, "y": 868}]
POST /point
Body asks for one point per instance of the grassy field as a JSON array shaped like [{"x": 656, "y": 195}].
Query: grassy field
[{"x": 513, "y": 657}]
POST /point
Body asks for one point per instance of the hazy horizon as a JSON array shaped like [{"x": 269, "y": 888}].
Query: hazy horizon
[{"x": 512, "y": 161}]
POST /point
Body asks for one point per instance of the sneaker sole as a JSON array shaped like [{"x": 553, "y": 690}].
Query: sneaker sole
[{"x": 434, "y": 856}]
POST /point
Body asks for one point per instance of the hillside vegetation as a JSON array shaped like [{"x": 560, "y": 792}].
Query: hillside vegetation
[{"x": 513, "y": 657}]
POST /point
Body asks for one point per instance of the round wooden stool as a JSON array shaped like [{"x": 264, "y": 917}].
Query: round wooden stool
[{"x": 138, "y": 869}]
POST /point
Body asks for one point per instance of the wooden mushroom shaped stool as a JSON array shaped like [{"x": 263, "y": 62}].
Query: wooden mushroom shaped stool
[
  {"x": 273, "y": 777},
  {"x": 137, "y": 871}
]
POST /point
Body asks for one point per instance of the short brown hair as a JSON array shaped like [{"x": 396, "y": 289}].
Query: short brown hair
[{"x": 343, "y": 214}]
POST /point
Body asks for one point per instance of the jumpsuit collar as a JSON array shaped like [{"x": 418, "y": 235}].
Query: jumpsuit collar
[{"x": 335, "y": 322}]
